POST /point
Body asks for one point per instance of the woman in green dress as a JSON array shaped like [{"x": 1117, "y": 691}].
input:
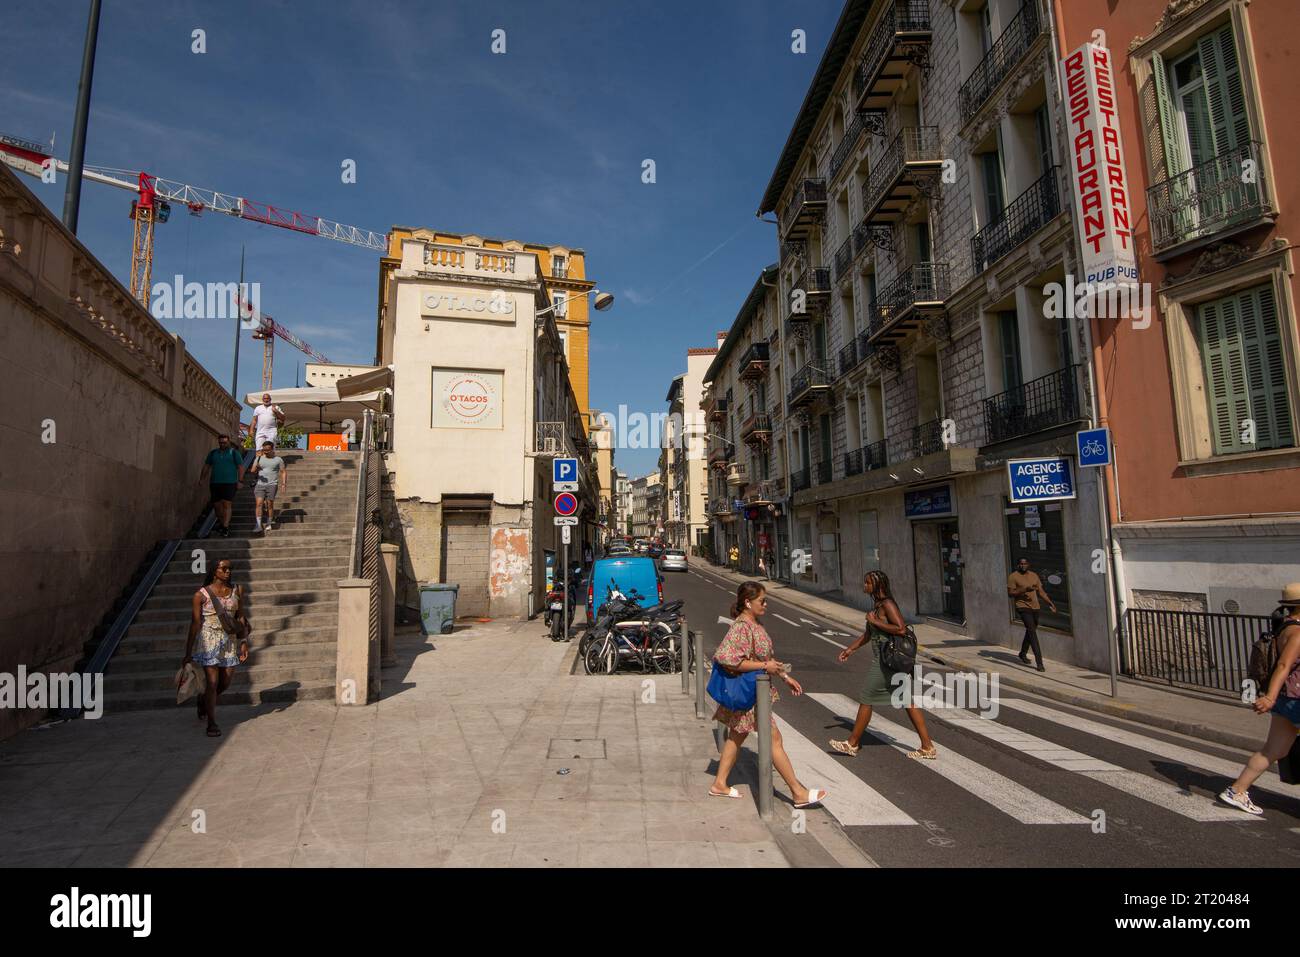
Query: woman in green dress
[{"x": 882, "y": 621}]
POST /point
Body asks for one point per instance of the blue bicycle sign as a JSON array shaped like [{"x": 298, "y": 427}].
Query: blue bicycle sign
[{"x": 1094, "y": 447}]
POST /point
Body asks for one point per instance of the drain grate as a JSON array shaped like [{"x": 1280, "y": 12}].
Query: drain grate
[{"x": 580, "y": 748}]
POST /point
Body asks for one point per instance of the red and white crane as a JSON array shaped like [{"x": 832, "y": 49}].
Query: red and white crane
[{"x": 266, "y": 330}]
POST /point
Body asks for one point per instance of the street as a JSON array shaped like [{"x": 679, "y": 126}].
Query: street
[{"x": 1021, "y": 790}]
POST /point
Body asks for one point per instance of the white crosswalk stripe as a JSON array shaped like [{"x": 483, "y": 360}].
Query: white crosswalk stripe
[
  {"x": 984, "y": 783},
  {"x": 852, "y": 801}
]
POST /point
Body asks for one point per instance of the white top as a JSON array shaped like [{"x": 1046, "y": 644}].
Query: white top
[{"x": 264, "y": 418}]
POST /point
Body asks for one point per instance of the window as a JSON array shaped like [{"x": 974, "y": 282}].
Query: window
[
  {"x": 564, "y": 342},
  {"x": 559, "y": 266},
  {"x": 1043, "y": 137},
  {"x": 1202, "y": 102},
  {"x": 560, "y": 301},
  {"x": 1009, "y": 341},
  {"x": 994, "y": 197},
  {"x": 1245, "y": 377}
]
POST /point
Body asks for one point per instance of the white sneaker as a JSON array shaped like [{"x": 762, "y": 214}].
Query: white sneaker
[{"x": 1240, "y": 801}]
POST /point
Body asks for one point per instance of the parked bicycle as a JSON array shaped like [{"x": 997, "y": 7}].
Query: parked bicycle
[{"x": 626, "y": 632}]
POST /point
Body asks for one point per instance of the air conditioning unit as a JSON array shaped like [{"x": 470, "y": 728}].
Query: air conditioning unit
[{"x": 550, "y": 445}]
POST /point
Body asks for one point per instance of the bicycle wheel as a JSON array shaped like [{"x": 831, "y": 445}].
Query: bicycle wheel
[
  {"x": 664, "y": 654},
  {"x": 601, "y": 657}
]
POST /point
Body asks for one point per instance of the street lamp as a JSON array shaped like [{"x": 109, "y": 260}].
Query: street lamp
[{"x": 602, "y": 302}]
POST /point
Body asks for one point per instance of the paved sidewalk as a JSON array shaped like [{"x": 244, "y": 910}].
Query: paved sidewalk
[
  {"x": 459, "y": 765},
  {"x": 1207, "y": 717}
]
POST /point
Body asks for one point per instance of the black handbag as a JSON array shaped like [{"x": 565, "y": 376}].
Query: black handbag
[{"x": 898, "y": 653}]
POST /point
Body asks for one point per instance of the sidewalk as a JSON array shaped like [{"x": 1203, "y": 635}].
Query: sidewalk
[
  {"x": 484, "y": 751},
  {"x": 1207, "y": 717}
]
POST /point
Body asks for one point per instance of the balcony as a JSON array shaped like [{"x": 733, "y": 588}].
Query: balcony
[
  {"x": 816, "y": 286},
  {"x": 753, "y": 364},
  {"x": 806, "y": 210},
  {"x": 792, "y": 251},
  {"x": 910, "y": 166},
  {"x": 843, "y": 259},
  {"x": 808, "y": 386},
  {"x": 901, "y": 38},
  {"x": 850, "y": 140},
  {"x": 737, "y": 474},
  {"x": 1040, "y": 404},
  {"x": 721, "y": 506},
  {"x": 865, "y": 459},
  {"x": 858, "y": 351},
  {"x": 823, "y": 471},
  {"x": 927, "y": 438},
  {"x": 1028, "y": 213},
  {"x": 1025, "y": 27},
  {"x": 800, "y": 480},
  {"x": 768, "y": 490},
  {"x": 719, "y": 455},
  {"x": 918, "y": 291},
  {"x": 717, "y": 410},
  {"x": 1211, "y": 199},
  {"x": 757, "y": 429},
  {"x": 552, "y": 438}
]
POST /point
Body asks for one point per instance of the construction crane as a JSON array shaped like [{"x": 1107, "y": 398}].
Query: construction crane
[
  {"x": 152, "y": 205},
  {"x": 267, "y": 329}
]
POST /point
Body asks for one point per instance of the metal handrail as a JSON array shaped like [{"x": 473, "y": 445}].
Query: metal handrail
[
  {"x": 357, "y": 557},
  {"x": 1208, "y": 198}
]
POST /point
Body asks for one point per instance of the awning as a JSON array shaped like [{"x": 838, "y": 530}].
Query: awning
[
  {"x": 362, "y": 382},
  {"x": 313, "y": 407}
]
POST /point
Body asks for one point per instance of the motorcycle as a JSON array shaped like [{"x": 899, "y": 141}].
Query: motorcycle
[
  {"x": 555, "y": 614},
  {"x": 625, "y": 630}
]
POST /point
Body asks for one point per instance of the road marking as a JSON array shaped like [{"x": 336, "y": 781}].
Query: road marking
[
  {"x": 786, "y": 620},
  {"x": 831, "y": 640},
  {"x": 1268, "y": 782},
  {"x": 988, "y": 785},
  {"x": 852, "y": 800},
  {"x": 1142, "y": 786}
]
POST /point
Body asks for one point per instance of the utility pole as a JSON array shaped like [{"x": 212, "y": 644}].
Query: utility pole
[{"x": 72, "y": 193}]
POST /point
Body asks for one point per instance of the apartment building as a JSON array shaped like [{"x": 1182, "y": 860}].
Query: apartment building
[
  {"x": 745, "y": 418},
  {"x": 922, "y": 228},
  {"x": 482, "y": 402},
  {"x": 1203, "y": 401},
  {"x": 695, "y": 497},
  {"x": 601, "y": 440},
  {"x": 622, "y": 503},
  {"x": 647, "y": 505}
]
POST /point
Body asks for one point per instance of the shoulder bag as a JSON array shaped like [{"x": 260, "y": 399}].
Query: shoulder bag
[
  {"x": 898, "y": 652},
  {"x": 240, "y": 629}
]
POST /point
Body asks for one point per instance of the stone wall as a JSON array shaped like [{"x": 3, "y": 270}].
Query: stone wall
[{"x": 107, "y": 422}]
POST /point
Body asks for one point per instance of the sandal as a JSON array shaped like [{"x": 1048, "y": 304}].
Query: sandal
[
  {"x": 925, "y": 754},
  {"x": 214, "y": 731},
  {"x": 815, "y": 797},
  {"x": 843, "y": 747},
  {"x": 729, "y": 793}
]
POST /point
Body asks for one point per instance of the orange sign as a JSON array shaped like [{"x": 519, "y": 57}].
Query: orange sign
[{"x": 326, "y": 442}]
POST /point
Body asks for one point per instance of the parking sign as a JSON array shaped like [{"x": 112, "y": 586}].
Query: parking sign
[{"x": 564, "y": 475}]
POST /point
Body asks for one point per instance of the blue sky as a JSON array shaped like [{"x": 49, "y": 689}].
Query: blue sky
[{"x": 544, "y": 144}]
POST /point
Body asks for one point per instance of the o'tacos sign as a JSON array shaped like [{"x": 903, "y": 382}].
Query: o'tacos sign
[
  {"x": 1100, "y": 186},
  {"x": 496, "y": 306},
  {"x": 466, "y": 399}
]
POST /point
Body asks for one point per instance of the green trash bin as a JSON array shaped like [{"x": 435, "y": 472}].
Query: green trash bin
[{"x": 438, "y": 607}]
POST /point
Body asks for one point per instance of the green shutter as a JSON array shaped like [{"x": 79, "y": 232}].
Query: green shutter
[
  {"x": 1225, "y": 385},
  {"x": 1175, "y": 157},
  {"x": 1262, "y": 351},
  {"x": 1223, "y": 89}
]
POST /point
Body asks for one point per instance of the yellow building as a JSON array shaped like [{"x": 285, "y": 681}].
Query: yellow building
[{"x": 565, "y": 273}]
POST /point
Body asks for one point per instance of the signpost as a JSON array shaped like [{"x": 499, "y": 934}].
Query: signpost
[
  {"x": 1094, "y": 447},
  {"x": 564, "y": 475},
  {"x": 1046, "y": 479},
  {"x": 566, "y": 508}
]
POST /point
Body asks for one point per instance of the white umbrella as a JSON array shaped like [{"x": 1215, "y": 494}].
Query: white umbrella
[{"x": 300, "y": 406}]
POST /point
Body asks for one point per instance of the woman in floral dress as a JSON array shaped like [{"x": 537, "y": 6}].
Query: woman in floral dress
[
  {"x": 217, "y": 653},
  {"x": 747, "y": 647}
]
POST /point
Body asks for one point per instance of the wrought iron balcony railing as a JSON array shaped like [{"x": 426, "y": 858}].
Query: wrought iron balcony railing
[
  {"x": 807, "y": 384},
  {"x": 823, "y": 471},
  {"x": 921, "y": 286},
  {"x": 1027, "y": 213},
  {"x": 718, "y": 408},
  {"x": 753, "y": 364},
  {"x": 757, "y": 427},
  {"x": 806, "y": 209},
  {"x": 901, "y": 34},
  {"x": 865, "y": 459},
  {"x": 843, "y": 259},
  {"x": 927, "y": 438},
  {"x": 848, "y": 358},
  {"x": 816, "y": 286},
  {"x": 1015, "y": 41},
  {"x": 553, "y": 439},
  {"x": 851, "y": 137},
  {"x": 1207, "y": 199},
  {"x": 910, "y": 163},
  {"x": 793, "y": 250},
  {"x": 1040, "y": 404},
  {"x": 800, "y": 480}
]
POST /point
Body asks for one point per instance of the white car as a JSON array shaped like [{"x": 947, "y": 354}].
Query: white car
[{"x": 674, "y": 560}]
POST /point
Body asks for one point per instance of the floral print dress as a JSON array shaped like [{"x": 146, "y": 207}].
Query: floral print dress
[
  {"x": 744, "y": 641},
  {"x": 213, "y": 647}
]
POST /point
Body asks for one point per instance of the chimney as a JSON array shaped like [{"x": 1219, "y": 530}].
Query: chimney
[{"x": 721, "y": 336}]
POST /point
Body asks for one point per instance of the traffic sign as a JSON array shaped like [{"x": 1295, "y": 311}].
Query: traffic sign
[
  {"x": 566, "y": 520},
  {"x": 565, "y": 535},
  {"x": 1046, "y": 479},
  {"x": 564, "y": 470},
  {"x": 1094, "y": 447},
  {"x": 566, "y": 503}
]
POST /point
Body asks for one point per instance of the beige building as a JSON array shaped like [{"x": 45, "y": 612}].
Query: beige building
[
  {"x": 325, "y": 374},
  {"x": 482, "y": 402},
  {"x": 647, "y": 501},
  {"x": 684, "y": 466}
]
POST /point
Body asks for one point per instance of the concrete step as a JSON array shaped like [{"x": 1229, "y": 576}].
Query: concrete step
[
  {"x": 268, "y": 622},
  {"x": 235, "y": 695},
  {"x": 173, "y": 642},
  {"x": 166, "y": 661},
  {"x": 257, "y": 678},
  {"x": 260, "y": 574},
  {"x": 242, "y": 566},
  {"x": 309, "y": 579},
  {"x": 266, "y": 545},
  {"x": 314, "y": 600}
]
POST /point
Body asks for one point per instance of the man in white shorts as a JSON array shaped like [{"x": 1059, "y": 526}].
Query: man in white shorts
[{"x": 267, "y": 419}]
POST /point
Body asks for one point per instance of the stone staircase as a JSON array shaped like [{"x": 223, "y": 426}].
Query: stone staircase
[{"x": 290, "y": 581}]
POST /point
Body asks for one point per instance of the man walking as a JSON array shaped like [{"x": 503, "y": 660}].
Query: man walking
[
  {"x": 272, "y": 475},
  {"x": 226, "y": 466},
  {"x": 733, "y": 558},
  {"x": 267, "y": 419},
  {"x": 1025, "y": 587}
]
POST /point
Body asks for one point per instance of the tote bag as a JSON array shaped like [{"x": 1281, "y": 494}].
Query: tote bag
[{"x": 734, "y": 694}]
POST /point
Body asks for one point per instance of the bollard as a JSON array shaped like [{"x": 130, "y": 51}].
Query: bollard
[
  {"x": 683, "y": 648},
  {"x": 763, "y": 722},
  {"x": 698, "y": 644}
]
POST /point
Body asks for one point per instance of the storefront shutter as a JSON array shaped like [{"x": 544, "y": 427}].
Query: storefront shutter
[
  {"x": 1223, "y": 89},
  {"x": 1261, "y": 346},
  {"x": 1225, "y": 373}
]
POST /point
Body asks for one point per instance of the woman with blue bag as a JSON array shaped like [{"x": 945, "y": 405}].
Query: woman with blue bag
[{"x": 745, "y": 651}]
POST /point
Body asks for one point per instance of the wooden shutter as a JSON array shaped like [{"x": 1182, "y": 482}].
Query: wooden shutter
[
  {"x": 1225, "y": 379},
  {"x": 1223, "y": 89},
  {"x": 1175, "y": 155},
  {"x": 1262, "y": 351}
]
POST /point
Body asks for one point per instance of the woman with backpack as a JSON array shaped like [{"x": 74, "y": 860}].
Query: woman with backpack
[
  {"x": 221, "y": 628},
  {"x": 1280, "y": 700},
  {"x": 747, "y": 647},
  {"x": 882, "y": 621}
]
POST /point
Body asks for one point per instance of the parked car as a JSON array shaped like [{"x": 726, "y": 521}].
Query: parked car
[
  {"x": 674, "y": 560},
  {"x": 618, "y": 548},
  {"x": 627, "y": 574},
  {"x": 641, "y": 546}
]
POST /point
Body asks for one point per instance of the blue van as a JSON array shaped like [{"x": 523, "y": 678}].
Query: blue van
[{"x": 625, "y": 573}]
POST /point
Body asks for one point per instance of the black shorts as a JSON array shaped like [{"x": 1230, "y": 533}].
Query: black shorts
[{"x": 223, "y": 491}]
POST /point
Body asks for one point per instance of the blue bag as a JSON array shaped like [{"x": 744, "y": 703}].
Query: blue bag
[{"x": 734, "y": 694}]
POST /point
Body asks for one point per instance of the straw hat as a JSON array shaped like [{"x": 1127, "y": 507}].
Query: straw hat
[{"x": 1291, "y": 594}]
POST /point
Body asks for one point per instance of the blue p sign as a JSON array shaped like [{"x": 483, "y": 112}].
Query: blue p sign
[{"x": 564, "y": 470}]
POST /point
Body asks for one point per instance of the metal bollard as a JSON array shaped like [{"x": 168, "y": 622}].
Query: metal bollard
[
  {"x": 699, "y": 674},
  {"x": 683, "y": 648},
  {"x": 763, "y": 721}
]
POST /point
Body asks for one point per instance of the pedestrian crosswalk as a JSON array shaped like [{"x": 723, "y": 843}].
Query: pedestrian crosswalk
[{"x": 855, "y": 802}]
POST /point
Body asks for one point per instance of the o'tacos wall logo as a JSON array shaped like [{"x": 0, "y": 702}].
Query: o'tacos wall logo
[{"x": 466, "y": 399}]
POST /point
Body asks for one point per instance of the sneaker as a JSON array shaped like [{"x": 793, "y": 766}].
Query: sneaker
[
  {"x": 1241, "y": 802},
  {"x": 1040, "y": 666},
  {"x": 1024, "y": 659}
]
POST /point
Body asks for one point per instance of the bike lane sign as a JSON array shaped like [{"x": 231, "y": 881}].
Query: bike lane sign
[{"x": 1094, "y": 447}]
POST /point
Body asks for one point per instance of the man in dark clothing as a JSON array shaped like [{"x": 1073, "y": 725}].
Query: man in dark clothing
[
  {"x": 1025, "y": 587},
  {"x": 226, "y": 465}
]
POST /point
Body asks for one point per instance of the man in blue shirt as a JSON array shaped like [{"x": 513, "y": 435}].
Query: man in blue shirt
[{"x": 226, "y": 465}]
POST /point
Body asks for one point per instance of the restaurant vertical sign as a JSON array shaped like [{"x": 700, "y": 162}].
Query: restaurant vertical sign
[{"x": 1103, "y": 215}]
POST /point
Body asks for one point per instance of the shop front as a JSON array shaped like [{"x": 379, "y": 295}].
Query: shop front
[{"x": 936, "y": 551}]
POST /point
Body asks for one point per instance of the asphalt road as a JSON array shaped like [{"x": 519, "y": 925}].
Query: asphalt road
[{"x": 1029, "y": 786}]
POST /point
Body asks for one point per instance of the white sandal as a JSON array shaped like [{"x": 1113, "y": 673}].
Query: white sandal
[
  {"x": 731, "y": 793},
  {"x": 815, "y": 797}
]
